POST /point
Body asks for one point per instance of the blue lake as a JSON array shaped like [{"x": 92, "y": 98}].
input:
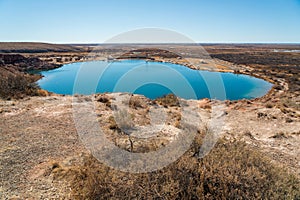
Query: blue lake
[{"x": 152, "y": 79}]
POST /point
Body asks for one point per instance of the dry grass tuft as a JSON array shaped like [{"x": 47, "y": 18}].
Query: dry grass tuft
[
  {"x": 42, "y": 93},
  {"x": 168, "y": 100},
  {"x": 136, "y": 102},
  {"x": 232, "y": 170}
]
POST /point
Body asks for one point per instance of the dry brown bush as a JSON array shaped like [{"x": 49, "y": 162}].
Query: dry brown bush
[
  {"x": 136, "y": 102},
  {"x": 168, "y": 100},
  {"x": 232, "y": 170},
  {"x": 17, "y": 85}
]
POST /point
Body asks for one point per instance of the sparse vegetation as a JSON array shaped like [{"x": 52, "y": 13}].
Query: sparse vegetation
[
  {"x": 269, "y": 105},
  {"x": 104, "y": 99},
  {"x": 261, "y": 115},
  {"x": 136, "y": 102},
  {"x": 17, "y": 85},
  {"x": 279, "y": 135},
  {"x": 232, "y": 170},
  {"x": 273, "y": 64},
  {"x": 33, "y": 47},
  {"x": 168, "y": 100},
  {"x": 112, "y": 124}
]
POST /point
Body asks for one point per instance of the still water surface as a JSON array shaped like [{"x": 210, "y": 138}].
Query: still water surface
[{"x": 152, "y": 79}]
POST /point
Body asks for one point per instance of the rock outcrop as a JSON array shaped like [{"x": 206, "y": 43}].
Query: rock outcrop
[{"x": 23, "y": 63}]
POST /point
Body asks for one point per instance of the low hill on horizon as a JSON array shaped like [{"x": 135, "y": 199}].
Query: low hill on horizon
[{"x": 36, "y": 47}]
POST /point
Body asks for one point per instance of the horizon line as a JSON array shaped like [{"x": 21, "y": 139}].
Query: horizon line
[{"x": 147, "y": 43}]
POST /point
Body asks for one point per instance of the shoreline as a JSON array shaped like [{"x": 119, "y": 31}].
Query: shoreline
[{"x": 241, "y": 71}]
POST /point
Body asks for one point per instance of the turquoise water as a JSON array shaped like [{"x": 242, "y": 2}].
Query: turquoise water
[{"x": 152, "y": 79}]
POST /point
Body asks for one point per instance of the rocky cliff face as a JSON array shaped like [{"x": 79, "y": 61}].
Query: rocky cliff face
[
  {"x": 14, "y": 81},
  {"x": 23, "y": 63}
]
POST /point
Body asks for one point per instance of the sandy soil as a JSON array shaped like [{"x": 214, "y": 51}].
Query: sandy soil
[
  {"x": 34, "y": 133},
  {"x": 37, "y": 132}
]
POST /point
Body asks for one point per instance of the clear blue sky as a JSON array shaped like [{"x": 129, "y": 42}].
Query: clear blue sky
[{"x": 77, "y": 21}]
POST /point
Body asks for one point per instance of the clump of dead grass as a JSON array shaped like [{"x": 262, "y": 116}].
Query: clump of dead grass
[
  {"x": 169, "y": 100},
  {"x": 232, "y": 170},
  {"x": 136, "y": 102}
]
